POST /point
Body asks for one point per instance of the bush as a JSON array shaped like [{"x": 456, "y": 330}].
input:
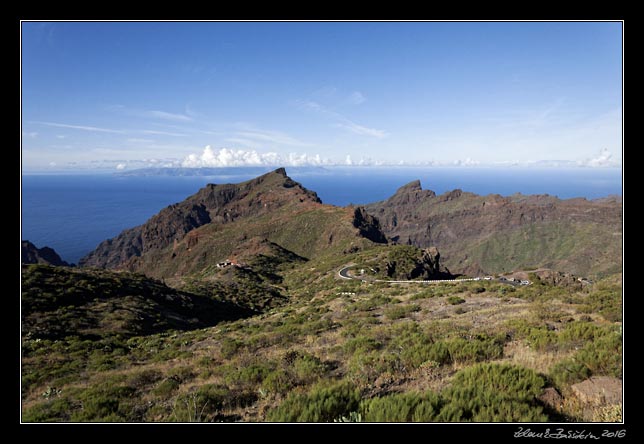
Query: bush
[
  {"x": 278, "y": 381},
  {"x": 403, "y": 407},
  {"x": 230, "y": 347},
  {"x": 476, "y": 350},
  {"x": 370, "y": 304},
  {"x": 455, "y": 300},
  {"x": 322, "y": 403},
  {"x": 601, "y": 357},
  {"x": 308, "y": 367},
  {"x": 419, "y": 353},
  {"x": 58, "y": 409},
  {"x": 248, "y": 376},
  {"x": 493, "y": 392},
  {"x": 166, "y": 387},
  {"x": 106, "y": 403},
  {"x": 401, "y": 311}
]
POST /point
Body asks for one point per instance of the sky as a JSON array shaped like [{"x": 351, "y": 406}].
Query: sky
[{"x": 123, "y": 95}]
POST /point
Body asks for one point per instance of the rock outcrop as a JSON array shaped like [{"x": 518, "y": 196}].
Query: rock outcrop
[
  {"x": 368, "y": 225},
  {"x": 45, "y": 255},
  {"x": 409, "y": 263}
]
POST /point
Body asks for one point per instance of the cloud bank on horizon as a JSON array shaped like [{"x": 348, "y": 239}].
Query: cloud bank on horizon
[{"x": 228, "y": 157}]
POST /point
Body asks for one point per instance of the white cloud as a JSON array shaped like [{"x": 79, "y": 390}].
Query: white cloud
[
  {"x": 167, "y": 116},
  {"x": 604, "y": 159},
  {"x": 343, "y": 122},
  {"x": 361, "y": 130},
  {"x": 80, "y": 127},
  {"x": 227, "y": 157},
  {"x": 121, "y": 166},
  {"x": 162, "y": 133},
  {"x": 276, "y": 137},
  {"x": 356, "y": 98},
  {"x": 60, "y": 136},
  {"x": 31, "y": 135},
  {"x": 466, "y": 162}
]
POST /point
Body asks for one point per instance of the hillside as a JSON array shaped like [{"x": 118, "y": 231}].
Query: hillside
[
  {"x": 59, "y": 302},
  {"x": 345, "y": 351},
  {"x": 491, "y": 234}
]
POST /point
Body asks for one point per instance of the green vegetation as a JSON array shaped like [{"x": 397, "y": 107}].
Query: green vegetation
[
  {"x": 323, "y": 403},
  {"x": 331, "y": 351}
]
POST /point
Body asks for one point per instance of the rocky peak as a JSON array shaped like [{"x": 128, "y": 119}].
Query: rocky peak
[
  {"x": 45, "y": 255},
  {"x": 410, "y": 187},
  {"x": 411, "y": 193}
]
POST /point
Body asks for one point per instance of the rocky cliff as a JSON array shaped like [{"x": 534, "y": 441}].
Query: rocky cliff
[{"x": 494, "y": 233}]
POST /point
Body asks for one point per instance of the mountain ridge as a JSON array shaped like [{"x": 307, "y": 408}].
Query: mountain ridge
[
  {"x": 493, "y": 233},
  {"x": 211, "y": 204}
]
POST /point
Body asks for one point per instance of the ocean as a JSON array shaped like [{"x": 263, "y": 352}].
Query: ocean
[{"x": 74, "y": 213}]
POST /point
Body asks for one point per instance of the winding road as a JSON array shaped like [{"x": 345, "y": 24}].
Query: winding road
[{"x": 344, "y": 274}]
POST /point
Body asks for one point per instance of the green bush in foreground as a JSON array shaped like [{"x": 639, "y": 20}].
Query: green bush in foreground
[
  {"x": 481, "y": 393},
  {"x": 493, "y": 393},
  {"x": 325, "y": 402},
  {"x": 402, "y": 407},
  {"x": 603, "y": 356}
]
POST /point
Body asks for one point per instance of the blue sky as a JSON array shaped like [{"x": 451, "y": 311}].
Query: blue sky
[{"x": 125, "y": 95}]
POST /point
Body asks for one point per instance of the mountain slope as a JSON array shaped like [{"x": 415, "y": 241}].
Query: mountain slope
[
  {"x": 217, "y": 204},
  {"x": 59, "y": 302},
  {"x": 494, "y": 233}
]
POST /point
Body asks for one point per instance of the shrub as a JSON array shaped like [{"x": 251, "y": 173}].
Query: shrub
[
  {"x": 278, "y": 381},
  {"x": 493, "y": 392},
  {"x": 600, "y": 357},
  {"x": 106, "y": 403},
  {"x": 455, "y": 300},
  {"x": 247, "y": 376},
  {"x": 475, "y": 350},
  {"x": 324, "y": 402},
  {"x": 403, "y": 407},
  {"x": 230, "y": 347},
  {"x": 370, "y": 304},
  {"x": 361, "y": 344},
  {"x": 401, "y": 311},
  {"x": 308, "y": 367},
  {"x": 58, "y": 409},
  {"x": 419, "y": 353},
  {"x": 166, "y": 387}
]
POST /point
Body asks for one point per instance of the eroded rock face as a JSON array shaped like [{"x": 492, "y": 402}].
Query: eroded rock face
[
  {"x": 45, "y": 255},
  {"x": 368, "y": 225}
]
